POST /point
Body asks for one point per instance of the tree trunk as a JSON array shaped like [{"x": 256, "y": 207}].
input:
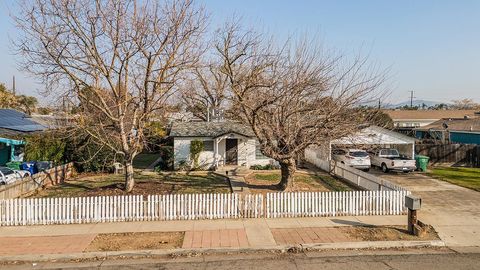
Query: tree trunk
[
  {"x": 129, "y": 181},
  {"x": 288, "y": 168}
]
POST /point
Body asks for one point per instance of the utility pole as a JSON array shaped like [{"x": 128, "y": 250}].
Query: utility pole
[
  {"x": 13, "y": 86},
  {"x": 411, "y": 98}
]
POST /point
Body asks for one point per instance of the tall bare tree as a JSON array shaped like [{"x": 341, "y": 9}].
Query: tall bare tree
[
  {"x": 119, "y": 59},
  {"x": 295, "y": 95},
  {"x": 205, "y": 93}
]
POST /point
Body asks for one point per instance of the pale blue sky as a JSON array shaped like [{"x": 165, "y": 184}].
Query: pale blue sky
[{"x": 431, "y": 46}]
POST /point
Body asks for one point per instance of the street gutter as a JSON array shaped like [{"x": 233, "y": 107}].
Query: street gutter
[{"x": 99, "y": 255}]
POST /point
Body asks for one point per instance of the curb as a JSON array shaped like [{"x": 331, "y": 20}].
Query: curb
[{"x": 195, "y": 251}]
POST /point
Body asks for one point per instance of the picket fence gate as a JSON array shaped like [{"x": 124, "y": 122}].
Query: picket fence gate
[{"x": 44, "y": 211}]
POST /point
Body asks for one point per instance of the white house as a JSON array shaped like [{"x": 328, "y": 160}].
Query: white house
[{"x": 225, "y": 143}]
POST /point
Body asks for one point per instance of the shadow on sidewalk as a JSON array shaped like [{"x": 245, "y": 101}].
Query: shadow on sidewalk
[{"x": 349, "y": 222}]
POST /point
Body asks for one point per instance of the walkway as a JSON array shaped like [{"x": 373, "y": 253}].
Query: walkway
[{"x": 236, "y": 176}]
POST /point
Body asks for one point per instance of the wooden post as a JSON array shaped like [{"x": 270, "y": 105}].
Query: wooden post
[{"x": 412, "y": 220}]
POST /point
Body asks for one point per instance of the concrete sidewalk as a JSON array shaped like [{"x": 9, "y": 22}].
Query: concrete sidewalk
[
  {"x": 241, "y": 233},
  {"x": 251, "y": 225}
]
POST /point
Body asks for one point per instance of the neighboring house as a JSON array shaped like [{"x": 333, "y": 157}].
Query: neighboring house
[
  {"x": 406, "y": 120},
  {"x": 14, "y": 124},
  {"x": 461, "y": 130},
  {"x": 225, "y": 143}
]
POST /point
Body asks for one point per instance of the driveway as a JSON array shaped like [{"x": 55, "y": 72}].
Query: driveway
[{"x": 454, "y": 211}]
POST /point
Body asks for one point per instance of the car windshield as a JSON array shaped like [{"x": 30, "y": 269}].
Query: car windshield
[
  {"x": 358, "y": 154},
  {"x": 389, "y": 152},
  {"x": 6, "y": 170}
]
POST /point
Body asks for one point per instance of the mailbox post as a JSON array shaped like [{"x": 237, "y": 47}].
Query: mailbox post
[{"x": 413, "y": 203}]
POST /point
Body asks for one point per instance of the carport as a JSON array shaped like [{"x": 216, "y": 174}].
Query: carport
[{"x": 374, "y": 137}]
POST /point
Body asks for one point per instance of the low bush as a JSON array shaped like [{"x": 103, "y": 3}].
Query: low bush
[
  {"x": 166, "y": 163},
  {"x": 265, "y": 167}
]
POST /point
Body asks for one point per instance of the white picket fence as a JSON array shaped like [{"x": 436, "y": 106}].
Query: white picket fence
[
  {"x": 352, "y": 203},
  {"x": 128, "y": 208},
  {"x": 43, "y": 211}
]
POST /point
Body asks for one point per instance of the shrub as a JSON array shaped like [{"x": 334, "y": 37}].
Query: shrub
[
  {"x": 166, "y": 153},
  {"x": 45, "y": 146},
  {"x": 196, "y": 147},
  {"x": 265, "y": 167},
  {"x": 88, "y": 156}
]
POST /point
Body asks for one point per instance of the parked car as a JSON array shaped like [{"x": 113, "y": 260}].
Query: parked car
[
  {"x": 389, "y": 159},
  {"x": 355, "y": 158},
  {"x": 8, "y": 176}
]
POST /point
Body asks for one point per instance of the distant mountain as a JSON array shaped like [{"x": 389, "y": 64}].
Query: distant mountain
[{"x": 416, "y": 102}]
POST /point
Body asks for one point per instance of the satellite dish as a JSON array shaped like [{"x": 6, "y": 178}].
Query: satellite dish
[{"x": 445, "y": 125}]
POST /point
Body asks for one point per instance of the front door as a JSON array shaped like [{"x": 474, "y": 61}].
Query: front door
[{"x": 231, "y": 150}]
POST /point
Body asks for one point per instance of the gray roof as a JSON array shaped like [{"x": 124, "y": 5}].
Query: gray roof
[
  {"x": 459, "y": 124},
  {"x": 209, "y": 129},
  {"x": 18, "y": 121}
]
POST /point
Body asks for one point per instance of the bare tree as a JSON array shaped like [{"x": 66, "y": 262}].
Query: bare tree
[
  {"x": 205, "y": 93},
  {"x": 465, "y": 104},
  {"x": 295, "y": 95},
  {"x": 119, "y": 59}
]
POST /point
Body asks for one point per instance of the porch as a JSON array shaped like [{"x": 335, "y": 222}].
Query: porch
[{"x": 231, "y": 150}]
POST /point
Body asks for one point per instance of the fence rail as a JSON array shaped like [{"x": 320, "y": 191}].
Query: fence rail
[
  {"x": 44, "y": 211},
  {"x": 362, "y": 179}
]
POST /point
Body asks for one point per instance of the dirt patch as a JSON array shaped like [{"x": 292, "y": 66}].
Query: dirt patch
[
  {"x": 263, "y": 182},
  {"x": 387, "y": 233},
  {"x": 136, "y": 241}
]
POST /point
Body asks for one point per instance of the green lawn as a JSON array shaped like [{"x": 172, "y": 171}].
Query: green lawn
[
  {"x": 143, "y": 160},
  {"x": 145, "y": 184},
  {"x": 465, "y": 177}
]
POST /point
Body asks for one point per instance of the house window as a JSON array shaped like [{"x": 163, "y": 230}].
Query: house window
[
  {"x": 208, "y": 145},
  {"x": 258, "y": 151}
]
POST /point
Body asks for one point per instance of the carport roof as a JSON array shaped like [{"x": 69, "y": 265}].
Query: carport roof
[{"x": 374, "y": 135}]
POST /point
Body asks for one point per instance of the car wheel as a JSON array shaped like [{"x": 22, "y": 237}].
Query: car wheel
[{"x": 384, "y": 168}]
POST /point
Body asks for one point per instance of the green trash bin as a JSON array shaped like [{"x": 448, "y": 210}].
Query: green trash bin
[{"x": 422, "y": 162}]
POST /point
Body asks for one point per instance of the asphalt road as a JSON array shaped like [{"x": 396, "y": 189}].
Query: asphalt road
[{"x": 439, "y": 260}]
